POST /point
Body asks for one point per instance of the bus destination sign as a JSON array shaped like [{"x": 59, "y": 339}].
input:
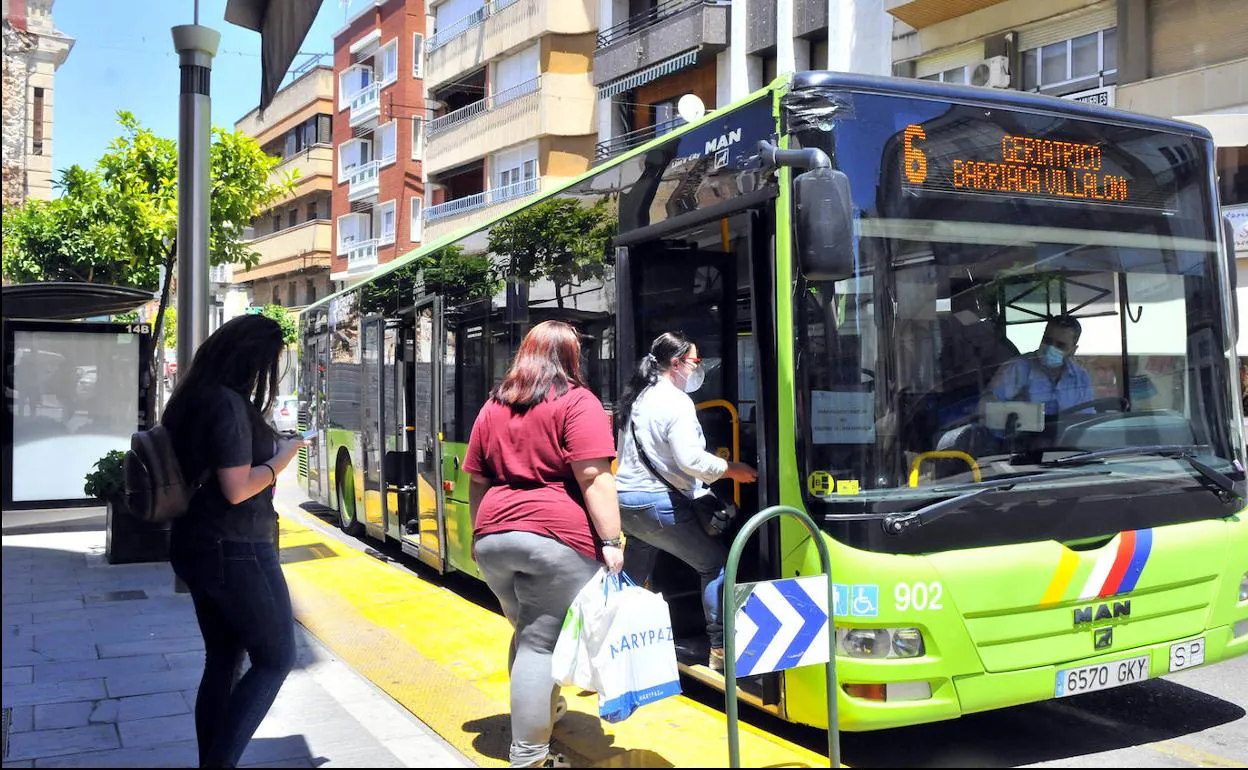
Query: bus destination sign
[{"x": 1000, "y": 163}]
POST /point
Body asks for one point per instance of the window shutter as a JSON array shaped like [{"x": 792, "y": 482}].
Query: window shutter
[
  {"x": 418, "y": 55},
  {"x": 324, "y": 133}
]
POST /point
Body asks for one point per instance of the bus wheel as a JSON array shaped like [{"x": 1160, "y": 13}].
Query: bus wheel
[{"x": 347, "y": 520}]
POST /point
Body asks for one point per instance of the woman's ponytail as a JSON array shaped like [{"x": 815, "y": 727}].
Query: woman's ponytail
[{"x": 665, "y": 347}]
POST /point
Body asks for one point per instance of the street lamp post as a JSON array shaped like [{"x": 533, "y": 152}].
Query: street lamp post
[{"x": 196, "y": 45}]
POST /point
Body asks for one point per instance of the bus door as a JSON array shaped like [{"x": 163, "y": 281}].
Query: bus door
[
  {"x": 317, "y": 383},
  {"x": 688, "y": 283},
  {"x": 398, "y": 464},
  {"x": 371, "y": 423},
  {"x": 424, "y": 531}
]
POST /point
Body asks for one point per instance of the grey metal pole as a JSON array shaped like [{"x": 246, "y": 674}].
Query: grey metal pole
[{"x": 196, "y": 45}]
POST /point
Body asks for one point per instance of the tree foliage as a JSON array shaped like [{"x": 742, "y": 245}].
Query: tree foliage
[
  {"x": 118, "y": 223},
  {"x": 446, "y": 271},
  {"x": 285, "y": 319},
  {"x": 562, "y": 240}
]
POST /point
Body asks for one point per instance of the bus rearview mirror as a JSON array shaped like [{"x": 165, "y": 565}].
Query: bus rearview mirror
[{"x": 825, "y": 224}]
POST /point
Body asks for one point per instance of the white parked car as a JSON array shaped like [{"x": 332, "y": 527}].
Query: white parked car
[{"x": 286, "y": 414}]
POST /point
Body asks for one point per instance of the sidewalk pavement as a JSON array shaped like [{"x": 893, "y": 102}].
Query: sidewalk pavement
[{"x": 102, "y": 662}]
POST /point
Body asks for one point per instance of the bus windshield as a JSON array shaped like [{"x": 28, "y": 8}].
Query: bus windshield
[{"x": 1034, "y": 294}]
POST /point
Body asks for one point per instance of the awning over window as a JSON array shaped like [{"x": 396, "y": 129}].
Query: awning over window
[{"x": 629, "y": 82}]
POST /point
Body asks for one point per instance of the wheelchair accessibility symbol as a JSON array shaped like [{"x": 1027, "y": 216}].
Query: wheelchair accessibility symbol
[{"x": 864, "y": 601}]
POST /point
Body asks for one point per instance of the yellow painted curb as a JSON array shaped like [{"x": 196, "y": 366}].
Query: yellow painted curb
[{"x": 445, "y": 660}]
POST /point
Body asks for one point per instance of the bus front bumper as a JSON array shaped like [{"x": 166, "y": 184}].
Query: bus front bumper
[{"x": 986, "y": 691}]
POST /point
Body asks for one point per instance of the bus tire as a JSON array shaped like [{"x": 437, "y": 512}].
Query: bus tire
[{"x": 347, "y": 520}]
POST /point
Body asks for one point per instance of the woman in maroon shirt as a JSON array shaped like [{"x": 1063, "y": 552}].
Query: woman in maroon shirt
[{"x": 545, "y": 514}]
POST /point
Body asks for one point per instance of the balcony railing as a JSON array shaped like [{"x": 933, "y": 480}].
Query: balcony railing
[
  {"x": 474, "y": 19},
  {"x": 624, "y": 142},
  {"x": 363, "y": 180},
  {"x": 365, "y": 104},
  {"x": 361, "y": 255},
  {"x": 457, "y": 28},
  {"x": 482, "y": 199},
  {"x": 645, "y": 19},
  {"x": 491, "y": 102}
]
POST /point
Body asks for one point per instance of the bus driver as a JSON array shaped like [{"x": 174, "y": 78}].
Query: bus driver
[{"x": 1049, "y": 375}]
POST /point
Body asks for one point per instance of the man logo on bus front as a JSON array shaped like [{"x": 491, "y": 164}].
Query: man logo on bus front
[{"x": 1101, "y": 614}]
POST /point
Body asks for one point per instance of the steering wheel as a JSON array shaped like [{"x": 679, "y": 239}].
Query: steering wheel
[{"x": 1099, "y": 405}]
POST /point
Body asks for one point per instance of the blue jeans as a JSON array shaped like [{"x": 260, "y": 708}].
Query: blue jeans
[
  {"x": 243, "y": 606},
  {"x": 666, "y": 521}
]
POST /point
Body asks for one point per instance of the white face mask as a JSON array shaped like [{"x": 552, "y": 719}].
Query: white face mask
[{"x": 694, "y": 380}]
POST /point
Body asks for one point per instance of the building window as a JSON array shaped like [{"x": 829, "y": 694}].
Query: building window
[
  {"x": 386, "y": 136},
  {"x": 955, "y": 75},
  {"x": 36, "y": 136},
  {"x": 353, "y": 229},
  {"x": 1077, "y": 64},
  {"x": 324, "y": 129},
  {"x": 310, "y": 291},
  {"x": 352, "y": 153},
  {"x": 352, "y": 80},
  {"x": 290, "y": 295},
  {"x": 277, "y": 296},
  {"x": 417, "y": 206},
  {"x": 277, "y": 223},
  {"x": 418, "y": 138},
  {"x": 418, "y": 55},
  {"x": 292, "y": 143},
  {"x": 311, "y": 210},
  {"x": 385, "y": 223},
  {"x": 388, "y": 59},
  {"x": 292, "y": 217}
]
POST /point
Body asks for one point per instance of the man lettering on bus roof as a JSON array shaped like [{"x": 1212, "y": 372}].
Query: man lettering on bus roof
[{"x": 1049, "y": 375}]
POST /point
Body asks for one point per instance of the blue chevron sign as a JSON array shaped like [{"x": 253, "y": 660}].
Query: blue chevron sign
[{"x": 781, "y": 624}]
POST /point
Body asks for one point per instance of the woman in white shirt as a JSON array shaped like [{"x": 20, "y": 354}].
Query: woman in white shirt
[{"x": 657, "y": 407}]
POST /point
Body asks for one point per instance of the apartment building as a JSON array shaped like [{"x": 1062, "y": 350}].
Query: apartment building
[
  {"x": 1172, "y": 58},
  {"x": 511, "y": 104},
  {"x": 33, "y": 50},
  {"x": 379, "y": 112},
  {"x": 650, "y": 53},
  {"x": 294, "y": 236}
]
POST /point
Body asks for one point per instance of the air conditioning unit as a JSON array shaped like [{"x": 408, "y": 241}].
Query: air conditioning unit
[{"x": 993, "y": 72}]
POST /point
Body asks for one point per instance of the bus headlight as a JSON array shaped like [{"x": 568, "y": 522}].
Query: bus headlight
[
  {"x": 880, "y": 642},
  {"x": 908, "y": 643},
  {"x": 1243, "y": 588}
]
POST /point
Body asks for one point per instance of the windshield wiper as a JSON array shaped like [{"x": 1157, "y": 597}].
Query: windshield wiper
[
  {"x": 1185, "y": 452},
  {"x": 898, "y": 523}
]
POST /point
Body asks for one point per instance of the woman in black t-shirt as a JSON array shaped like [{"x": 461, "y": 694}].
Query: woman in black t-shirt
[{"x": 224, "y": 547}]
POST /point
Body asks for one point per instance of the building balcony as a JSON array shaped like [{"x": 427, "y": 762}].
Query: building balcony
[
  {"x": 463, "y": 213},
  {"x": 662, "y": 33},
  {"x": 925, "y": 13},
  {"x": 361, "y": 255},
  {"x": 624, "y": 142},
  {"x": 365, "y": 105},
  {"x": 552, "y": 105},
  {"x": 300, "y": 247},
  {"x": 363, "y": 180},
  {"x": 315, "y": 168},
  {"x": 498, "y": 27}
]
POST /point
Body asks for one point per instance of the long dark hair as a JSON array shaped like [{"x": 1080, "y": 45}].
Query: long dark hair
[
  {"x": 243, "y": 356},
  {"x": 549, "y": 360},
  {"x": 665, "y": 347}
]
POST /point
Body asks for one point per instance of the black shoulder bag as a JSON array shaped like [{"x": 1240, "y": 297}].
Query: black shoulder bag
[{"x": 713, "y": 514}]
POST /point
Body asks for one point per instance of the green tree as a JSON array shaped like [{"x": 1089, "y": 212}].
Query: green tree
[
  {"x": 118, "y": 223},
  {"x": 285, "y": 319},
  {"x": 446, "y": 271},
  {"x": 170, "y": 327},
  {"x": 561, "y": 240}
]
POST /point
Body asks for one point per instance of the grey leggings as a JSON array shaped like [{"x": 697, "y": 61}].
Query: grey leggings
[{"x": 535, "y": 579}]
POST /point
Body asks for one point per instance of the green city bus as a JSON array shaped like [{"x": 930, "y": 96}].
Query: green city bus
[{"x": 857, "y": 258}]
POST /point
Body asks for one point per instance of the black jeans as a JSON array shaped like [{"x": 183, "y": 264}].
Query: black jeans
[{"x": 243, "y": 605}]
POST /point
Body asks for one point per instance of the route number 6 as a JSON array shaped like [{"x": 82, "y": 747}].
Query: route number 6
[{"x": 919, "y": 596}]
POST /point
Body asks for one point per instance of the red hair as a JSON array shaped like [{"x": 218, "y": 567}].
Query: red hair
[{"x": 549, "y": 360}]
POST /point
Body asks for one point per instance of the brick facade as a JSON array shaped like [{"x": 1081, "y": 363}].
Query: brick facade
[{"x": 400, "y": 101}]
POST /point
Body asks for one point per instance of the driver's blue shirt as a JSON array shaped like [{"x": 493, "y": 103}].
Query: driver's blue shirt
[{"x": 1024, "y": 379}]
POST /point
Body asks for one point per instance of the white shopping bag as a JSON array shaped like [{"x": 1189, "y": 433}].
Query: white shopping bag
[
  {"x": 570, "y": 662},
  {"x": 632, "y": 652}
]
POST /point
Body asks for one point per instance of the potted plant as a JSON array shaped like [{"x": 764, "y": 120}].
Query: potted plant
[{"x": 128, "y": 538}]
